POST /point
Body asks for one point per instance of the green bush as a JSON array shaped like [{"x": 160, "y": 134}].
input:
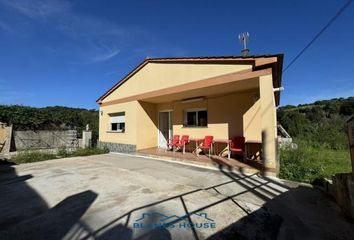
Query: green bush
[
  {"x": 310, "y": 162},
  {"x": 62, "y": 152},
  {"x": 87, "y": 152},
  {"x": 32, "y": 156},
  {"x": 296, "y": 165},
  {"x": 321, "y": 123},
  {"x": 50, "y": 118}
]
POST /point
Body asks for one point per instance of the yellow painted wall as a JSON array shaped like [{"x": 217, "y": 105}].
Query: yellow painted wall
[
  {"x": 3, "y": 133},
  {"x": 146, "y": 125},
  {"x": 131, "y": 119},
  {"x": 252, "y": 119},
  {"x": 156, "y": 76},
  {"x": 231, "y": 115},
  {"x": 228, "y": 116},
  {"x": 5, "y": 138}
]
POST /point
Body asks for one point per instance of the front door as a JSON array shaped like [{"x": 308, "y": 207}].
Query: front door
[{"x": 165, "y": 128}]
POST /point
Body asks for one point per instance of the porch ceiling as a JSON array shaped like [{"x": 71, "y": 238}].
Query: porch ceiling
[{"x": 210, "y": 91}]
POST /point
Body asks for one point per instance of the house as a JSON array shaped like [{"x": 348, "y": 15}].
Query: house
[{"x": 220, "y": 96}]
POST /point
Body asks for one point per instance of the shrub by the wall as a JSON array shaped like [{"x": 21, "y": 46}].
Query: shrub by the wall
[{"x": 310, "y": 162}]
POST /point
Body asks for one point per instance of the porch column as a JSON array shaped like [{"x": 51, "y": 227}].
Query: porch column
[{"x": 268, "y": 125}]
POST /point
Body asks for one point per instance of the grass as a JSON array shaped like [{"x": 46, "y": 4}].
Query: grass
[
  {"x": 32, "y": 156},
  {"x": 309, "y": 164},
  {"x": 82, "y": 152},
  {"x": 36, "y": 156}
]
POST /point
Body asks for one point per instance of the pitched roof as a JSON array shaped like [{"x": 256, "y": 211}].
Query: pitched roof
[{"x": 258, "y": 62}]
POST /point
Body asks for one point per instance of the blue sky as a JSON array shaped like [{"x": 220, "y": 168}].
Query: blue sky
[{"x": 70, "y": 52}]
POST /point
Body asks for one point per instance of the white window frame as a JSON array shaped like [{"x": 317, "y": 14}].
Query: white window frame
[
  {"x": 196, "y": 110},
  {"x": 117, "y": 118}
]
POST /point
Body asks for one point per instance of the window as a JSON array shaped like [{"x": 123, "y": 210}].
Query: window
[
  {"x": 117, "y": 122},
  {"x": 196, "y": 118}
]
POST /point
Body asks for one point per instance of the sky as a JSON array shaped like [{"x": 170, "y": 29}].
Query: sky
[{"x": 68, "y": 53}]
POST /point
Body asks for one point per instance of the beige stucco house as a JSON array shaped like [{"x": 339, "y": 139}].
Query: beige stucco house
[{"x": 197, "y": 96}]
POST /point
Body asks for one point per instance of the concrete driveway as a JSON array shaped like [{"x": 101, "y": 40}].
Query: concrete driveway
[{"x": 116, "y": 196}]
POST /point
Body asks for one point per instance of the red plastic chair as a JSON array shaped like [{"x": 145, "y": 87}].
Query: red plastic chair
[
  {"x": 237, "y": 146},
  {"x": 207, "y": 144},
  {"x": 183, "y": 142},
  {"x": 171, "y": 143}
]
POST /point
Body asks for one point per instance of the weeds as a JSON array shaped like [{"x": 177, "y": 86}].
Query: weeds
[
  {"x": 36, "y": 156},
  {"x": 309, "y": 163},
  {"x": 88, "y": 151},
  {"x": 32, "y": 156}
]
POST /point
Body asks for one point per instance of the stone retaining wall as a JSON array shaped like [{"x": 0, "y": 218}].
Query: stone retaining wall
[
  {"x": 117, "y": 147},
  {"x": 43, "y": 139}
]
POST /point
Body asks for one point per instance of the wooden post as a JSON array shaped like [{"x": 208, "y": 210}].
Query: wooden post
[{"x": 350, "y": 139}]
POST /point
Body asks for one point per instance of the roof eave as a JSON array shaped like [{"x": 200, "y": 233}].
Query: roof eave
[{"x": 266, "y": 61}]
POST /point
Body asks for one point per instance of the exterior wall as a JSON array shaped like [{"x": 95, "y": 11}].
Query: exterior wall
[
  {"x": 5, "y": 138},
  {"x": 3, "y": 132},
  {"x": 156, "y": 76},
  {"x": 140, "y": 126},
  {"x": 131, "y": 123},
  {"x": 230, "y": 115},
  {"x": 147, "y": 125}
]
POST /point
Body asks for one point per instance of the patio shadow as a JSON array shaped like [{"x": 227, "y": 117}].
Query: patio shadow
[
  {"x": 24, "y": 214},
  {"x": 298, "y": 212},
  {"x": 287, "y": 213}
]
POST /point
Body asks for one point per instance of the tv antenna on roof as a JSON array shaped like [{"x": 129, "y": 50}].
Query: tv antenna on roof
[{"x": 244, "y": 39}]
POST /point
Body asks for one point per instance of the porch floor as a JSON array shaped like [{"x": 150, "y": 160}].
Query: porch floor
[{"x": 247, "y": 166}]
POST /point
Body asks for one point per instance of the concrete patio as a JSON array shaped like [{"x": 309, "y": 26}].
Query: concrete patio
[
  {"x": 214, "y": 161},
  {"x": 116, "y": 196}
]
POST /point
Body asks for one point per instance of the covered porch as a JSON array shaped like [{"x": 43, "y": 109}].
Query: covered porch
[
  {"x": 235, "y": 105},
  {"x": 222, "y": 98}
]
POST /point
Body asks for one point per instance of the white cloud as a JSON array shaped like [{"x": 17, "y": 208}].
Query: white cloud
[
  {"x": 93, "y": 39},
  {"x": 38, "y": 8},
  {"x": 106, "y": 56}
]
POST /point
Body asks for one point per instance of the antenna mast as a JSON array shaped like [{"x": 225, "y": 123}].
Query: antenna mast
[{"x": 244, "y": 39}]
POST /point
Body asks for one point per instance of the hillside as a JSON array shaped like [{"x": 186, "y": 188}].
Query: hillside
[
  {"x": 49, "y": 118},
  {"x": 319, "y": 123}
]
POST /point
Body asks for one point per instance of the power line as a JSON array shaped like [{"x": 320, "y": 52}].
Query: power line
[{"x": 318, "y": 34}]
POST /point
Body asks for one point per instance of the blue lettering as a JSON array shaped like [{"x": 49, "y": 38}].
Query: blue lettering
[
  {"x": 198, "y": 225},
  {"x": 137, "y": 225},
  {"x": 171, "y": 225},
  {"x": 184, "y": 225}
]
